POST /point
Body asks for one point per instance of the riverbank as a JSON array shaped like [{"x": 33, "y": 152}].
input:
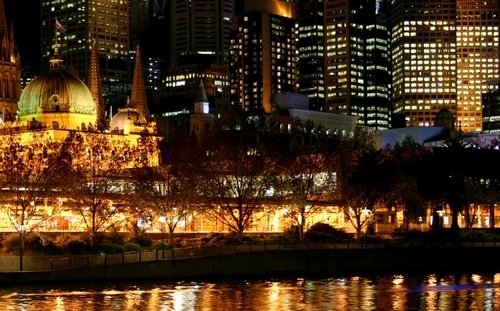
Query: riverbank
[{"x": 278, "y": 262}]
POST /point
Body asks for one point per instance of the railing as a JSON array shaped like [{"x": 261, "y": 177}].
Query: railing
[{"x": 88, "y": 261}]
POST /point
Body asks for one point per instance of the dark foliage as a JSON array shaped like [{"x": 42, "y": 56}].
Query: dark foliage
[{"x": 321, "y": 232}]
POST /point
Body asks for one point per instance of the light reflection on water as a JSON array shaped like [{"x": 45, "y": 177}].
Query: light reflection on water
[{"x": 397, "y": 292}]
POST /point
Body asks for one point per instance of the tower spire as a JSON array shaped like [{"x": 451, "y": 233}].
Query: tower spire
[
  {"x": 138, "y": 97},
  {"x": 11, "y": 64},
  {"x": 4, "y": 34},
  {"x": 201, "y": 94},
  {"x": 94, "y": 84},
  {"x": 3, "y": 20}
]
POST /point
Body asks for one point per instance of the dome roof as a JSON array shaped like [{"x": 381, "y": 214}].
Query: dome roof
[
  {"x": 56, "y": 92},
  {"x": 125, "y": 115}
]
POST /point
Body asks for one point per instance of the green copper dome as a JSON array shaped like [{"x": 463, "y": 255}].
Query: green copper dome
[{"x": 56, "y": 92}]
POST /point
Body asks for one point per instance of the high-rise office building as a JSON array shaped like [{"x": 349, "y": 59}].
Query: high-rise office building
[
  {"x": 263, "y": 54},
  {"x": 198, "y": 50},
  {"x": 424, "y": 59},
  {"x": 150, "y": 26},
  {"x": 445, "y": 55},
  {"x": 311, "y": 49},
  {"x": 344, "y": 58},
  {"x": 478, "y": 58},
  {"x": 200, "y": 30},
  {"x": 491, "y": 110},
  {"x": 107, "y": 22}
]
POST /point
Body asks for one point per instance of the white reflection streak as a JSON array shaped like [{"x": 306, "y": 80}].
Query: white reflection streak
[
  {"x": 274, "y": 293},
  {"x": 133, "y": 299},
  {"x": 398, "y": 299},
  {"x": 488, "y": 299},
  {"x": 184, "y": 299},
  {"x": 59, "y": 304}
]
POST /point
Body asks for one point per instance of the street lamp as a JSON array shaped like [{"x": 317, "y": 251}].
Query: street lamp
[{"x": 163, "y": 221}]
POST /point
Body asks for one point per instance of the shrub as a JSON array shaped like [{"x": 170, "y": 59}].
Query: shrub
[
  {"x": 189, "y": 242},
  {"x": 111, "y": 249},
  {"x": 213, "y": 239},
  {"x": 11, "y": 243},
  {"x": 371, "y": 239},
  {"x": 225, "y": 239},
  {"x": 76, "y": 246},
  {"x": 162, "y": 246},
  {"x": 143, "y": 240},
  {"x": 292, "y": 234},
  {"x": 132, "y": 247},
  {"x": 115, "y": 237},
  {"x": 412, "y": 234},
  {"x": 280, "y": 239},
  {"x": 33, "y": 243},
  {"x": 479, "y": 236},
  {"x": 232, "y": 239},
  {"x": 320, "y": 232},
  {"x": 49, "y": 246}
]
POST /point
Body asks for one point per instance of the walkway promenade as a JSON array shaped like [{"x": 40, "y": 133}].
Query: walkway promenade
[{"x": 256, "y": 260}]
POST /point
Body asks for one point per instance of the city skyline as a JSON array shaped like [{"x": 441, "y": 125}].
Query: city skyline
[{"x": 412, "y": 64}]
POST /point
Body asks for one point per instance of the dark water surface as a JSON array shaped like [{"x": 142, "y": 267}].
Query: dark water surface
[{"x": 395, "y": 292}]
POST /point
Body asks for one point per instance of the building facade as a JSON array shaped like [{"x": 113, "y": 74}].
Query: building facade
[
  {"x": 200, "y": 30},
  {"x": 344, "y": 58},
  {"x": 491, "y": 111},
  {"x": 424, "y": 59},
  {"x": 263, "y": 54},
  {"x": 311, "y": 49},
  {"x": 478, "y": 58},
  {"x": 445, "y": 55}
]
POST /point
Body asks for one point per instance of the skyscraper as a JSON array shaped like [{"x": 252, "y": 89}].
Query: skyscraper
[
  {"x": 344, "y": 58},
  {"x": 263, "y": 54},
  {"x": 107, "y": 22},
  {"x": 200, "y": 30},
  {"x": 10, "y": 70},
  {"x": 445, "y": 55},
  {"x": 491, "y": 111},
  {"x": 199, "y": 49},
  {"x": 423, "y": 59},
  {"x": 478, "y": 58},
  {"x": 311, "y": 49}
]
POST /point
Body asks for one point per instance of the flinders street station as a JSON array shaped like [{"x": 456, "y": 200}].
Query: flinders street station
[{"x": 57, "y": 124}]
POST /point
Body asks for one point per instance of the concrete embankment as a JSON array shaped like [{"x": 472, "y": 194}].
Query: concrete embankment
[{"x": 269, "y": 263}]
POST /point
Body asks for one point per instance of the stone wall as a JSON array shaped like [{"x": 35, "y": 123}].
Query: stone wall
[{"x": 270, "y": 263}]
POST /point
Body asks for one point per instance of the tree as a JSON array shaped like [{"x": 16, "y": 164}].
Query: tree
[
  {"x": 399, "y": 169},
  {"x": 302, "y": 179},
  {"x": 355, "y": 187},
  {"x": 481, "y": 184},
  {"x": 28, "y": 174},
  {"x": 96, "y": 179},
  {"x": 167, "y": 192},
  {"x": 442, "y": 181},
  {"x": 303, "y": 183},
  {"x": 235, "y": 175}
]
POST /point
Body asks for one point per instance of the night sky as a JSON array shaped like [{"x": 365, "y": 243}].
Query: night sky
[{"x": 25, "y": 15}]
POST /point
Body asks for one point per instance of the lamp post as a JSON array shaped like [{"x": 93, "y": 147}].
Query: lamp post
[{"x": 163, "y": 221}]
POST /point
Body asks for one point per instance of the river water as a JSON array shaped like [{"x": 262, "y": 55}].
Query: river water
[{"x": 390, "y": 292}]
